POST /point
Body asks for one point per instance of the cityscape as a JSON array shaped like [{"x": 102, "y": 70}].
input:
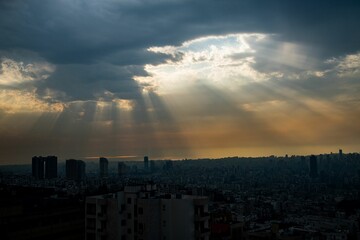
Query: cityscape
[
  {"x": 273, "y": 197},
  {"x": 179, "y": 120}
]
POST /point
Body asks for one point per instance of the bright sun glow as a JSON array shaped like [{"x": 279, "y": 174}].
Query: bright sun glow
[{"x": 222, "y": 61}]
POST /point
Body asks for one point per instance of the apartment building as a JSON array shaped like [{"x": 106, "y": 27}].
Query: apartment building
[{"x": 142, "y": 213}]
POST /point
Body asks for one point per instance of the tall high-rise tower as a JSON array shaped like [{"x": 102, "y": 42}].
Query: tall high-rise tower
[
  {"x": 44, "y": 167},
  {"x": 103, "y": 164},
  {"x": 37, "y": 167},
  {"x": 340, "y": 154},
  {"x": 75, "y": 170},
  {"x": 146, "y": 163}
]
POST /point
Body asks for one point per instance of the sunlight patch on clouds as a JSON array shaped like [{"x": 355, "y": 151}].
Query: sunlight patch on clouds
[
  {"x": 122, "y": 104},
  {"x": 24, "y": 99},
  {"x": 125, "y": 104},
  {"x": 14, "y": 73},
  {"x": 346, "y": 66},
  {"x": 15, "y": 101},
  {"x": 226, "y": 61},
  {"x": 264, "y": 106}
]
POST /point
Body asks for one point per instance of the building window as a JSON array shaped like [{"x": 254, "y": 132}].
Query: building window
[
  {"x": 141, "y": 228},
  {"x": 141, "y": 211},
  {"x": 123, "y": 222},
  {"x": 91, "y": 209},
  {"x": 129, "y": 215},
  {"x": 129, "y": 200},
  {"x": 122, "y": 207},
  {"x": 163, "y": 207},
  {"x": 103, "y": 225},
  {"x": 103, "y": 209},
  {"x": 91, "y": 223},
  {"x": 90, "y": 236},
  {"x": 123, "y": 237}
]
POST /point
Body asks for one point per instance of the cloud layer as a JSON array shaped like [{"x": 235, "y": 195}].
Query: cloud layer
[
  {"x": 103, "y": 43},
  {"x": 171, "y": 78}
]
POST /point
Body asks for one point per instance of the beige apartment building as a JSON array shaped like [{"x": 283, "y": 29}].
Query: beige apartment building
[{"x": 142, "y": 213}]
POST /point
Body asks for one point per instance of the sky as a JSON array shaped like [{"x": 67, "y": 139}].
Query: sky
[{"x": 175, "y": 79}]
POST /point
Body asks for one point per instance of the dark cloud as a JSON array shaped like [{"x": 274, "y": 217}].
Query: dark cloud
[
  {"x": 101, "y": 33},
  {"x": 83, "y": 82},
  {"x": 81, "y": 30}
]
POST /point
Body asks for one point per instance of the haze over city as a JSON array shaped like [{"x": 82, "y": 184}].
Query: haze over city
[{"x": 178, "y": 79}]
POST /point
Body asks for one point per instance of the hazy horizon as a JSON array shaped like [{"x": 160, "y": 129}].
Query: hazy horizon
[{"x": 95, "y": 159}]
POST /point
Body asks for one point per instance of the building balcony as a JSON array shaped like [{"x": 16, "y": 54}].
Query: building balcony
[
  {"x": 202, "y": 217},
  {"x": 101, "y": 231},
  {"x": 90, "y": 229},
  {"x": 101, "y": 215},
  {"x": 203, "y": 232}
]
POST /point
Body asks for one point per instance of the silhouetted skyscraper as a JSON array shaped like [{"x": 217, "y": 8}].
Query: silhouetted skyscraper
[
  {"x": 313, "y": 167},
  {"x": 71, "y": 168},
  {"x": 340, "y": 154},
  {"x": 38, "y": 167},
  {"x": 81, "y": 171},
  {"x": 44, "y": 167},
  {"x": 51, "y": 167},
  {"x": 75, "y": 170},
  {"x": 146, "y": 163},
  {"x": 103, "y": 164}
]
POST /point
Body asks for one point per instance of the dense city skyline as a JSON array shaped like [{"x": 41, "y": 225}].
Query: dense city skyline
[{"x": 178, "y": 79}]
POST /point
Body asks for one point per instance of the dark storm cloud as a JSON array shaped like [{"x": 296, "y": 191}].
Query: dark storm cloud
[
  {"x": 92, "y": 81},
  {"x": 88, "y": 41}
]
